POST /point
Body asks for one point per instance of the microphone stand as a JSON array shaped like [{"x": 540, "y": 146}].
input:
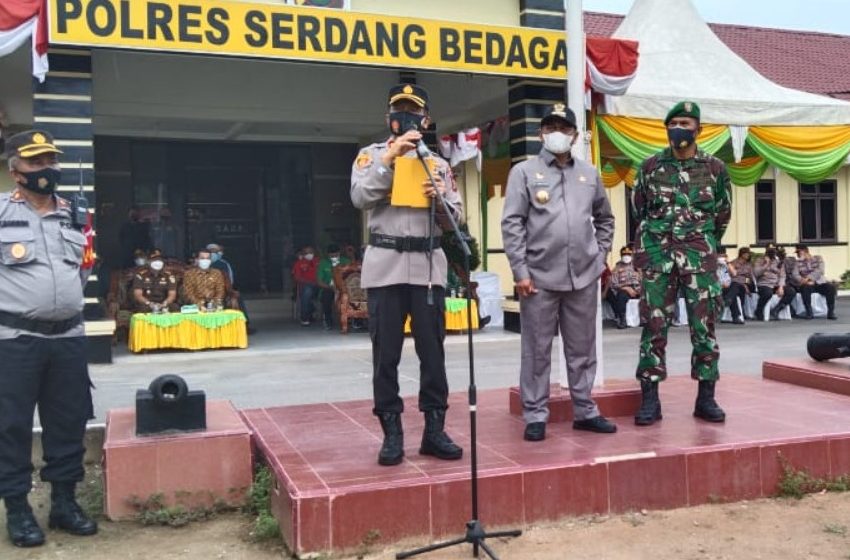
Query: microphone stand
[{"x": 475, "y": 533}]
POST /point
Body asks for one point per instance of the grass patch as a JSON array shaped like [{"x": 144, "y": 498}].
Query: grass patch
[
  {"x": 154, "y": 511},
  {"x": 90, "y": 496},
  {"x": 796, "y": 483},
  {"x": 258, "y": 504}
]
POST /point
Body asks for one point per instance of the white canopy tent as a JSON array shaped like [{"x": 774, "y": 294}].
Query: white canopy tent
[{"x": 681, "y": 58}]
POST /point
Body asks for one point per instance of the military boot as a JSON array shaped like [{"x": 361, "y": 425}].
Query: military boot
[
  {"x": 392, "y": 450},
  {"x": 66, "y": 513},
  {"x": 621, "y": 322},
  {"x": 650, "y": 404},
  {"x": 21, "y": 525},
  {"x": 435, "y": 441},
  {"x": 706, "y": 407}
]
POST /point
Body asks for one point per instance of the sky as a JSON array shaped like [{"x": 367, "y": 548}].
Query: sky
[{"x": 826, "y": 16}]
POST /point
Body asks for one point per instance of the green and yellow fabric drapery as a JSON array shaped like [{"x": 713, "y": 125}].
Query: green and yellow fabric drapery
[{"x": 809, "y": 154}]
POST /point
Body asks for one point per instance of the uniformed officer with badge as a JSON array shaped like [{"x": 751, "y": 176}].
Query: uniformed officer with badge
[
  {"x": 154, "y": 287},
  {"x": 625, "y": 286},
  {"x": 682, "y": 204},
  {"x": 557, "y": 228},
  {"x": 404, "y": 270},
  {"x": 42, "y": 341}
]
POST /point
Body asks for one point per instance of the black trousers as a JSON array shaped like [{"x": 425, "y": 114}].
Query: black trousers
[
  {"x": 619, "y": 300},
  {"x": 733, "y": 298},
  {"x": 826, "y": 290},
  {"x": 53, "y": 374},
  {"x": 327, "y": 299},
  {"x": 389, "y": 306},
  {"x": 741, "y": 293},
  {"x": 766, "y": 292}
]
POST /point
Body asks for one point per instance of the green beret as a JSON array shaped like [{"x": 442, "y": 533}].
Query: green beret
[{"x": 683, "y": 109}]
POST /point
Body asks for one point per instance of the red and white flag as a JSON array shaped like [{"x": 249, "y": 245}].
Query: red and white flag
[
  {"x": 21, "y": 20},
  {"x": 611, "y": 64}
]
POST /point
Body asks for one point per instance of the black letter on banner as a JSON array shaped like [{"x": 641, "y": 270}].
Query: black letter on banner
[
  {"x": 279, "y": 30},
  {"x": 538, "y": 54},
  {"x": 67, "y": 9},
  {"x": 336, "y": 35},
  {"x": 495, "y": 49},
  {"x": 449, "y": 45},
  {"x": 217, "y": 18},
  {"x": 253, "y": 21},
  {"x": 472, "y": 46},
  {"x": 559, "y": 61},
  {"x": 516, "y": 54},
  {"x": 414, "y": 47},
  {"x": 159, "y": 16},
  {"x": 360, "y": 39},
  {"x": 127, "y": 30},
  {"x": 91, "y": 17},
  {"x": 387, "y": 41},
  {"x": 308, "y": 30},
  {"x": 185, "y": 23}
]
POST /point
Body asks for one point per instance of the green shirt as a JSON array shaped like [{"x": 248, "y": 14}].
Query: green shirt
[{"x": 324, "y": 274}]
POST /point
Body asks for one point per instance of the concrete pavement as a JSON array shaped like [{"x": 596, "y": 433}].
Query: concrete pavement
[{"x": 287, "y": 364}]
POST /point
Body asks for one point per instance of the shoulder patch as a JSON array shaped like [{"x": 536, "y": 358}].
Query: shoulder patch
[{"x": 364, "y": 159}]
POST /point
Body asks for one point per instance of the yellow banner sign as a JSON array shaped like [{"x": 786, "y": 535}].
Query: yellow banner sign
[{"x": 309, "y": 34}]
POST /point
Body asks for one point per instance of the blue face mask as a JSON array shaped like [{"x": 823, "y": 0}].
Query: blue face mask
[
  {"x": 681, "y": 138},
  {"x": 215, "y": 257}
]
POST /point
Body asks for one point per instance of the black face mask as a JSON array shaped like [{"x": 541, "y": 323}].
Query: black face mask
[
  {"x": 43, "y": 181},
  {"x": 402, "y": 121},
  {"x": 681, "y": 138}
]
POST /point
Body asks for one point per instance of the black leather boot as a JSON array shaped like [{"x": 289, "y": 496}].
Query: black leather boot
[
  {"x": 435, "y": 441},
  {"x": 392, "y": 450},
  {"x": 621, "y": 322},
  {"x": 650, "y": 404},
  {"x": 66, "y": 514},
  {"x": 706, "y": 407},
  {"x": 774, "y": 313},
  {"x": 21, "y": 525}
]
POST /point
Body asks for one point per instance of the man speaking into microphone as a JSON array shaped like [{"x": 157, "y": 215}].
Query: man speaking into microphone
[{"x": 404, "y": 268}]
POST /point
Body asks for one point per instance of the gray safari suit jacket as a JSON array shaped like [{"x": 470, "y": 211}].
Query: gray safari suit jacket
[
  {"x": 371, "y": 186},
  {"x": 557, "y": 225}
]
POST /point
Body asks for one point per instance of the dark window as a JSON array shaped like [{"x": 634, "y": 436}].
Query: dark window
[
  {"x": 765, "y": 212},
  {"x": 818, "y": 211}
]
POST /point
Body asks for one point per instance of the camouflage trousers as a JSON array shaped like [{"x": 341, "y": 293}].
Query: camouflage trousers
[{"x": 658, "y": 305}]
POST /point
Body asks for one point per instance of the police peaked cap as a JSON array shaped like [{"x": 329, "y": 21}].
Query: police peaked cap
[
  {"x": 412, "y": 92},
  {"x": 559, "y": 111},
  {"x": 31, "y": 143},
  {"x": 683, "y": 109}
]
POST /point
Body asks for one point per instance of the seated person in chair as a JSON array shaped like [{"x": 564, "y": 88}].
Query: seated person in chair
[
  {"x": 733, "y": 293},
  {"x": 624, "y": 285},
  {"x": 743, "y": 275},
  {"x": 770, "y": 279},
  {"x": 809, "y": 273},
  {"x": 202, "y": 285},
  {"x": 325, "y": 280},
  {"x": 154, "y": 289}
]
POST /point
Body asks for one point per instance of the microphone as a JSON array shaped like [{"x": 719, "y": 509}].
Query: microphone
[{"x": 421, "y": 149}]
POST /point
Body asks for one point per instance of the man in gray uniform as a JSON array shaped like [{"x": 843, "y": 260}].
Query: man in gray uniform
[
  {"x": 404, "y": 270},
  {"x": 557, "y": 228},
  {"x": 42, "y": 341}
]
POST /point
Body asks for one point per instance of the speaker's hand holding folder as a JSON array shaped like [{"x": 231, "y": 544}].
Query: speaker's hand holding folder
[{"x": 410, "y": 182}]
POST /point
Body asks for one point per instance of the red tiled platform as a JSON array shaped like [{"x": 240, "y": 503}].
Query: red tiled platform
[
  {"x": 832, "y": 376},
  {"x": 331, "y": 494},
  {"x": 193, "y": 469},
  {"x": 617, "y": 398}
]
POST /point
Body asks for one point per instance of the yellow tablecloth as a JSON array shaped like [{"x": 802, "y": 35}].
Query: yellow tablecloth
[
  {"x": 455, "y": 320},
  {"x": 188, "y": 335}
]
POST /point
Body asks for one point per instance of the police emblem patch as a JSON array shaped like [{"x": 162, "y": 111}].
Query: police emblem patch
[
  {"x": 407, "y": 89},
  {"x": 363, "y": 161},
  {"x": 38, "y": 138},
  {"x": 18, "y": 251}
]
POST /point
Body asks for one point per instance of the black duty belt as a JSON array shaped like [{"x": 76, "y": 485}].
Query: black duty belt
[
  {"x": 47, "y": 328},
  {"x": 403, "y": 244}
]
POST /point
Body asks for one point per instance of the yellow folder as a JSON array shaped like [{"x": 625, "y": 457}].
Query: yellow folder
[{"x": 409, "y": 180}]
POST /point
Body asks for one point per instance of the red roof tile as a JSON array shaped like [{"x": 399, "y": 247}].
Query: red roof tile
[{"x": 803, "y": 60}]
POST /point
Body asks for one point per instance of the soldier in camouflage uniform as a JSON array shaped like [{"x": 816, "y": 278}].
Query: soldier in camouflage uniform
[{"x": 682, "y": 203}]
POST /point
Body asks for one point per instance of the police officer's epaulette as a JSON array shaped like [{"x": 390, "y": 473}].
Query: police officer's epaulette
[{"x": 14, "y": 223}]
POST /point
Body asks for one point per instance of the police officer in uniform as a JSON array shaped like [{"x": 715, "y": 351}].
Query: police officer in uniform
[
  {"x": 154, "y": 287},
  {"x": 557, "y": 227},
  {"x": 769, "y": 271},
  {"x": 405, "y": 272},
  {"x": 625, "y": 286},
  {"x": 42, "y": 341}
]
